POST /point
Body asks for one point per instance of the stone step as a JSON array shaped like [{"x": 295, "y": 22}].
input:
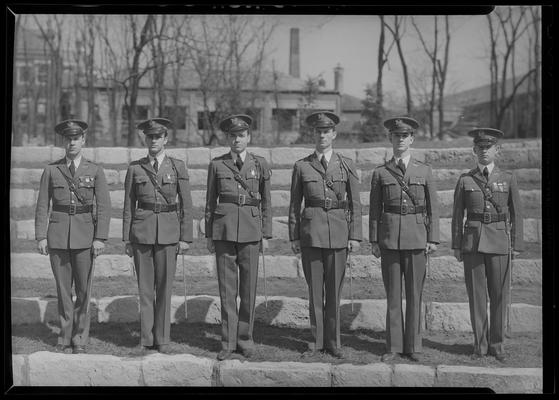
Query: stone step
[
  {"x": 445, "y": 268},
  {"x": 280, "y": 177},
  {"x": 53, "y": 369},
  {"x": 280, "y": 311},
  {"x": 525, "y": 154},
  {"x": 280, "y": 198},
  {"x": 25, "y": 229}
]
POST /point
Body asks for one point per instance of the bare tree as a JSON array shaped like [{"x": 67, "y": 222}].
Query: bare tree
[
  {"x": 397, "y": 34},
  {"x": 382, "y": 59}
]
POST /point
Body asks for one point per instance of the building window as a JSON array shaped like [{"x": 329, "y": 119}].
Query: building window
[
  {"x": 286, "y": 119},
  {"x": 141, "y": 113},
  {"x": 204, "y": 124},
  {"x": 177, "y": 114},
  {"x": 42, "y": 73},
  {"x": 24, "y": 74},
  {"x": 254, "y": 113}
]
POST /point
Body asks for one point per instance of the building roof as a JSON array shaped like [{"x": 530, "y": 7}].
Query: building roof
[{"x": 351, "y": 103}]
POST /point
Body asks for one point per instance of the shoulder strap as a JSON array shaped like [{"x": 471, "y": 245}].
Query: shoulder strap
[
  {"x": 241, "y": 181},
  {"x": 486, "y": 190},
  {"x": 72, "y": 187},
  {"x": 401, "y": 182},
  {"x": 346, "y": 167},
  {"x": 153, "y": 179}
]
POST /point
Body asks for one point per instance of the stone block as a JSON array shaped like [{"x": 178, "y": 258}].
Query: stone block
[
  {"x": 371, "y": 375},
  {"x": 54, "y": 369},
  {"x": 198, "y": 177},
  {"x": 115, "y": 228},
  {"x": 448, "y": 317},
  {"x": 525, "y": 318},
  {"x": 25, "y": 176},
  {"x": 198, "y": 309},
  {"x": 177, "y": 153},
  {"x": 117, "y": 199},
  {"x": 407, "y": 375},
  {"x": 283, "y": 311},
  {"x": 110, "y": 265},
  {"x": 280, "y": 198},
  {"x": 217, "y": 152},
  {"x": 532, "y": 230},
  {"x": 177, "y": 370},
  {"x": 20, "y": 375},
  {"x": 501, "y": 380},
  {"x": 118, "y": 309},
  {"x": 23, "y": 198},
  {"x": 287, "y": 156},
  {"x": 113, "y": 155},
  {"x": 280, "y": 228},
  {"x": 262, "y": 152},
  {"x": 367, "y": 314},
  {"x": 371, "y": 156},
  {"x": 113, "y": 177},
  {"x": 137, "y": 153},
  {"x": 364, "y": 267},
  {"x": 26, "y": 311},
  {"x": 197, "y": 266},
  {"x": 279, "y": 266},
  {"x": 198, "y": 198},
  {"x": 25, "y": 229},
  {"x": 199, "y": 156},
  {"x": 281, "y": 177},
  {"x": 266, "y": 374},
  {"x": 30, "y": 265},
  {"x": 32, "y": 154}
]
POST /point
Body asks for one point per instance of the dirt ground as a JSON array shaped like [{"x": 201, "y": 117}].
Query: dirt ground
[{"x": 284, "y": 344}]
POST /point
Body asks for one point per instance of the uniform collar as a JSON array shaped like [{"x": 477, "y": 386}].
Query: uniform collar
[
  {"x": 160, "y": 158},
  {"x": 489, "y": 167},
  {"x": 405, "y": 159},
  {"x": 327, "y": 154},
  {"x": 243, "y": 155},
  {"x": 77, "y": 161}
]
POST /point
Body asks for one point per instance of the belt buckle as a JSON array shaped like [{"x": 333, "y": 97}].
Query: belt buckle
[
  {"x": 327, "y": 203},
  {"x": 242, "y": 199},
  {"x": 157, "y": 208},
  {"x": 72, "y": 209},
  {"x": 486, "y": 218},
  {"x": 404, "y": 209}
]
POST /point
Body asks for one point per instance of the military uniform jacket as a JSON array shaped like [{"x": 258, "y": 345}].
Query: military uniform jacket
[
  {"x": 395, "y": 231},
  {"x": 147, "y": 226},
  {"x": 316, "y": 226},
  {"x": 230, "y": 221},
  {"x": 77, "y": 231},
  {"x": 476, "y": 236}
]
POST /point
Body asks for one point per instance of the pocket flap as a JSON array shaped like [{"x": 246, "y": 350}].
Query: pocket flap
[
  {"x": 310, "y": 178},
  {"x": 86, "y": 181},
  {"x": 224, "y": 175},
  {"x": 417, "y": 180},
  {"x": 255, "y": 212},
  {"x": 169, "y": 178},
  {"x": 140, "y": 179}
]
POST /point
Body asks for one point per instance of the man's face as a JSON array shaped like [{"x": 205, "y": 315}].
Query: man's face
[
  {"x": 73, "y": 145},
  {"x": 486, "y": 152},
  {"x": 324, "y": 138},
  {"x": 401, "y": 141},
  {"x": 238, "y": 141},
  {"x": 156, "y": 143}
]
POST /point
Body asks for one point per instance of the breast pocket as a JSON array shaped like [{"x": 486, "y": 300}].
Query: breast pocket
[
  {"x": 225, "y": 182},
  {"x": 86, "y": 186},
  {"x": 473, "y": 195},
  {"x": 390, "y": 191},
  {"x": 141, "y": 185},
  {"x": 340, "y": 182},
  {"x": 60, "y": 188},
  {"x": 312, "y": 186},
  {"x": 417, "y": 188}
]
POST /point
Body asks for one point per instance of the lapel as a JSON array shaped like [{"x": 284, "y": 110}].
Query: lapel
[
  {"x": 248, "y": 159},
  {"x": 477, "y": 173},
  {"x": 64, "y": 170},
  {"x": 165, "y": 166},
  {"x": 145, "y": 164},
  {"x": 494, "y": 175},
  {"x": 228, "y": 161},
  {"x": 82, "y": 168},
  {"x": 333, "y": 163},
  {"x": 391, "y": 165},
  {"x": 315, "y": 163}
]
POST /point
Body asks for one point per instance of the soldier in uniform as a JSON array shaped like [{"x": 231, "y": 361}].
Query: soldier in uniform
[
  {"x": 156, "y": 226},
  {"x": 493, "y": 227},
  {"x": 238, "y": 220},
  {"x": 403, "y": 229},
  {"x": 75, "y": 231},
  {"x": 326, "y": 229}
]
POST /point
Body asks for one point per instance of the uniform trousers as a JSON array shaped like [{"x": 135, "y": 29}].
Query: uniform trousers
[
  {"x": 155, "y": 266},
  {"x": 403, "y": 336},
  {"x": 324, "y": 271},
  {"x": 237, "y": 268},
  {"x": 72, "y": 266},
  {"x": 487, "y": 273}
]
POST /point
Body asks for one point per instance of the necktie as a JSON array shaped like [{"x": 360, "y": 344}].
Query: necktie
[
  {"x": 156, "y": 165},
  {"x": 239, "y": 163},
  {"x": 72, "y": 168},
  {"x": 402, "y": 166},
  {"x": 324, "y": 162},
  {"x": 486, "y": 173}
]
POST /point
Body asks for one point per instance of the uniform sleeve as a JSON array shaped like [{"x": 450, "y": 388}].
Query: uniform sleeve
[
  {"x": 296, "y": 198},
  {"x": 129, "y": 204},
  {"x": 42, "y": 208},
  {"x": 211, "y": 199},
  {"x": 375, "y": 206},
  {"x": 266, "y": 199},
  {"x": 185, "y": 202},
  {"x": 432, "y": 202},
  {"x": 103, "y": 202},
  {"x": 516, "y": 217},
  {"x": 457, "y": 225},
  {"x": 354, "y": 197}
]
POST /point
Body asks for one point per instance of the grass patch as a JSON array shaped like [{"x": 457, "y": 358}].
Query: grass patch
[{"x": 283, "y": 344}]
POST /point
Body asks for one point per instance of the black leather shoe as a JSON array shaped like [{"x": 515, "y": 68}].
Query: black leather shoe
[
  {"x": 388, "y": 357},
  {"x": 61, "y": 348},
  {"x": 335, "y": 352},
  {"x": 224, "y": 355},
  {"x": 78, "y": 350},
  {"x": 415, "y": 357},
  {"x": 165, "y": 349}
]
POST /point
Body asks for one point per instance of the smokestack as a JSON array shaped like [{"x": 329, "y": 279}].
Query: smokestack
[
  {"x": 339, "y": 79},
  {"x": 294, "y": 53}
]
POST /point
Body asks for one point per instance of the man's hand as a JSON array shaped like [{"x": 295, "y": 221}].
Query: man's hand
[
  {"x": 43, "y": 247},
  {"x": 430, "y": 248},
  {"x": 353, "y": 245},
  {"x": 210, "y": 245},
  {"x": 264, "y": 244},
  {"x": 458, "y": 254},
  {"x": 128, "y": 249},
  {"x": 182, "y": 247},
  {"x": 97, "y": 247},
  {"x": 375, "y": 250},
  {"x": 296, "y": 246}
]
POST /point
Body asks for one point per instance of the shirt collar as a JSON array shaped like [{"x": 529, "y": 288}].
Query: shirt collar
[
  {"x": 77, "y": 161},
  {"x": 327, "y": 154},
  {"x": 160, "y": 158},
  {"x": 489, "y": 167},
  {"x": 406, "y": 160},
  {"x": 243, "y": 155}
]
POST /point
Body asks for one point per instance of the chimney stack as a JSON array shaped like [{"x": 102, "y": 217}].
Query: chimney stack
[
  {"x": 339, "y": 79},
  {"x": 294, "y": 53}
]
